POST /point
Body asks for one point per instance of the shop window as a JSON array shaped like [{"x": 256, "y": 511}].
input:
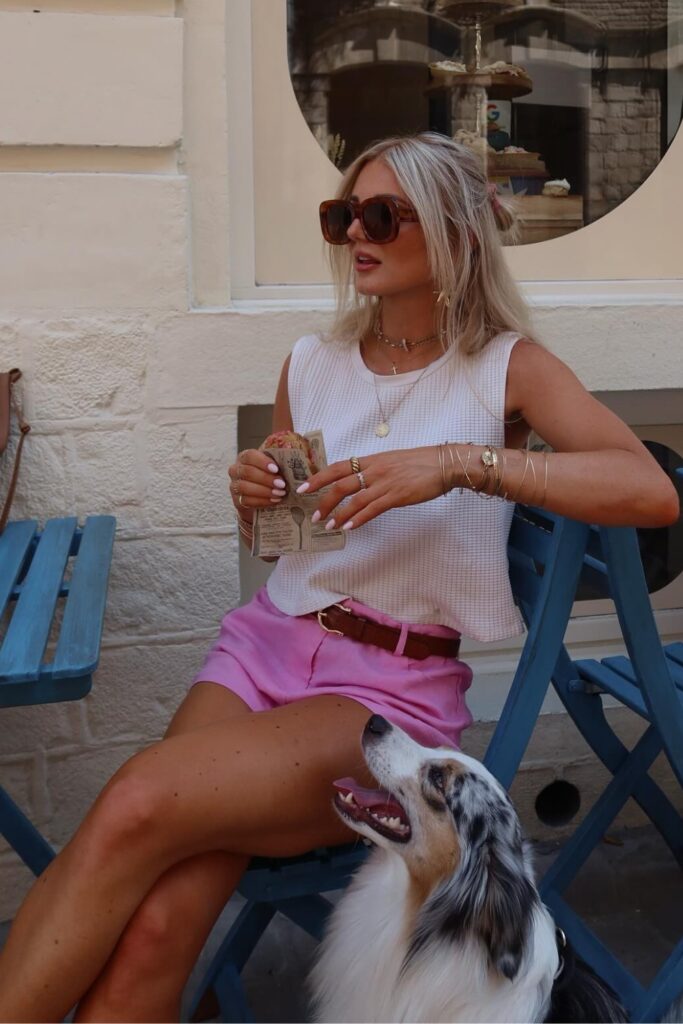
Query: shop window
[{"x": 571, "y": 104}]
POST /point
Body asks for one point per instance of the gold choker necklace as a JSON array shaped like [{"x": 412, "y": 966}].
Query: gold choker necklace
[{"x": 404, "y": 344}]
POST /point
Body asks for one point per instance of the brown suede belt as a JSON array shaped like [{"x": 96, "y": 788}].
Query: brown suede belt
[{"x": 338, "y": 619}]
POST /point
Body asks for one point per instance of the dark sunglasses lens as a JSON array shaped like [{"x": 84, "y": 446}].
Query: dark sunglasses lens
[
  {"x": 378, "y": 221},
  {"x": 338, "y": 218}
]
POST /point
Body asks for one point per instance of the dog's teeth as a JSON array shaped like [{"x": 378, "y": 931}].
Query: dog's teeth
[{"x": 394, "y": 822}]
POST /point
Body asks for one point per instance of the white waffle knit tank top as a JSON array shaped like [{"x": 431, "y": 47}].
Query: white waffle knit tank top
[{"x": 441, "y": 562}]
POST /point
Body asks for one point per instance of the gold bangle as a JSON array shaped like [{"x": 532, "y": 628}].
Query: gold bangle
[
  {"x": 465, "y": 466},
  {"x": 533, "y": 473},
  {"x": 455, "y": 472},
  {"x": 545, "y": 479},
  {"x": 521, "y": 482},
  {"x": 502, "y": 476},
  {"x": 442, "y": 467}
]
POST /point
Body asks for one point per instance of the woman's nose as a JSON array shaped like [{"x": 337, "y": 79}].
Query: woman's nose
[{"x": 355, "y": 230}]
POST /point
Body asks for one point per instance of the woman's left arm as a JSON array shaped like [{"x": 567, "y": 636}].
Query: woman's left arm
[{"x": 598, "y": 470}]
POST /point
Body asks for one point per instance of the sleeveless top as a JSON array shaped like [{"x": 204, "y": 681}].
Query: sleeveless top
[{"x": 442, "y": 562}]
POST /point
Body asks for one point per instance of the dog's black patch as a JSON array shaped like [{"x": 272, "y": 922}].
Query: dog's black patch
[{"x": 579, "y": 996}]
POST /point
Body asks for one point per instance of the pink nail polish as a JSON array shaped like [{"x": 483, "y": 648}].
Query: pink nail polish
[
  {"x": 279, "y": 483},
  {"x": 277, "y": 493},
  {"x": 315, "y": 518},
  {"x": 303, "y": 488},
  {"x": 273, "y": 468},
  {"x": 330, "y": 524},
  {"x": 348, "y": 526},
  {"x": 276, "y": 501}
]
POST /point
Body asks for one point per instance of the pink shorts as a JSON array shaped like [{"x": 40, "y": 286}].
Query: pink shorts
[{"x": 269, "y": 658}]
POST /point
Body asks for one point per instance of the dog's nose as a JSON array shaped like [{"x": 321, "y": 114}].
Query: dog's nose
[{"x": 377, "y": 726}]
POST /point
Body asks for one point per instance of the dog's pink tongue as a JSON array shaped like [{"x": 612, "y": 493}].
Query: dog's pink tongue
[{"x": 370, "y": 797}]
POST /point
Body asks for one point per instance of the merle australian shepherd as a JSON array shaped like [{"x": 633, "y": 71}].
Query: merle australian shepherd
[{"x": 443, "y": 922}]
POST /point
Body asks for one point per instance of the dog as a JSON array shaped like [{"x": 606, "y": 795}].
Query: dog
[{"x": 443, "y": 922}]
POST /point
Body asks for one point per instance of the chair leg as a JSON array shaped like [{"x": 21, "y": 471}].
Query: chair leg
[
  {"x": 23, "y": 836},
  {"x": 587, "y": 713},
  {"x": 664, "y": 990},
  {"x": 223, "y": 974},
  {"x": 308, "y": 912}
]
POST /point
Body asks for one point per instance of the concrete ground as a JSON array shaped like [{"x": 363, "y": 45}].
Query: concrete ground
[{"x": 631, "y": 892}]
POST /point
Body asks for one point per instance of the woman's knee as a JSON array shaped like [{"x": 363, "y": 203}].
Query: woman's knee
[{"x": 130, "y": 812}]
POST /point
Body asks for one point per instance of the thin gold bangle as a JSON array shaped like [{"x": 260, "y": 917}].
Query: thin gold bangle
[
  {"x": 442, "y": 467},
  {"x": 455, "y": 472},
  {"x": 465, "y": 466},
  {"x": 521, "y": 482},
  {"x": 545, "y": 479},
  {"x": 533, "y": 473}
]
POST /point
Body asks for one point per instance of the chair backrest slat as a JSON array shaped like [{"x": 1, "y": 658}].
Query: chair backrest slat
[
  {"x": 29, "y": 627},
  {"x": 78, "y": 646},
  {"x": 15, "y": 542}
]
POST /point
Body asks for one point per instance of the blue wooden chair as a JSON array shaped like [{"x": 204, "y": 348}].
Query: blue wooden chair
[
  {"x": 64, "y": 569},
  {"x": 545, "y": 563}
]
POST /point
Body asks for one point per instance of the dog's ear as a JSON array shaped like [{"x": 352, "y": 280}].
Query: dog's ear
[
  {"x": 492, "y": 897},
  {"x": 504, "y": 919}
]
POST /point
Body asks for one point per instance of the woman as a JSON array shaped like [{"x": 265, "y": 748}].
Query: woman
[{"x": 433, "y": 348}]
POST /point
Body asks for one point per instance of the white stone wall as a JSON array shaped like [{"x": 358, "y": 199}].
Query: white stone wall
[{"x": 115, "y": 301}]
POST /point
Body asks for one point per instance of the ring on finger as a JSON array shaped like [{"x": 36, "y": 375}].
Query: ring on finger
[
  {"x": 355, "y": 464},
  {"x": 239, "y": 500},
  {"x": 361, "y": 480}
]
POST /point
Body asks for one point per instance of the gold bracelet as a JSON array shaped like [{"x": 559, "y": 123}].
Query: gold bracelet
[
  {"x": 545, "y": 479},
  {"x": 442, "y": 467},
  {"x": 502, "y": 476},
  {"x": 455, "y": 472},
  {"x": 533, "y": 473},
  {"x": 521, "y": 482},
  {"x": 465, "y": 466}
]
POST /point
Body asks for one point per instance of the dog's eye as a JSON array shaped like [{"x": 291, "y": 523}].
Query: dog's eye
[{"x": 437, "y": 778}]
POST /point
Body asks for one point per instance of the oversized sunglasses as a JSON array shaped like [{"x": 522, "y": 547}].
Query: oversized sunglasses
[{"x": 380, "y": 218}]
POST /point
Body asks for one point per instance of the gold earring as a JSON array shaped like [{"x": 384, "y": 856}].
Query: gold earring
[{"x": 443, "y": 297}]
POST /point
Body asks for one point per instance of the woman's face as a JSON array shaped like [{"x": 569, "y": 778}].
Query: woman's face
[{"x": 399, "y": 266}]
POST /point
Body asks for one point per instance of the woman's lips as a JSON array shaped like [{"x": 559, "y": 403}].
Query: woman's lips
[{"x": 365, "y": 263}]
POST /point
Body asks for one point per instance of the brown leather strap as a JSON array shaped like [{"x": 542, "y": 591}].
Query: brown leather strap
[
  {"x": 6, "y": 403},
  {"x": 338, "y": 619}
]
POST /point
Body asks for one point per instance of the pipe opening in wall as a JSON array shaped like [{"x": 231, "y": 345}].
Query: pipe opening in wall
[{"x": 558, "y": 803}]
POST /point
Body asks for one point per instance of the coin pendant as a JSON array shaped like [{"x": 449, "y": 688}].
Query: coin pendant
[{"x": 382, "y": 429}]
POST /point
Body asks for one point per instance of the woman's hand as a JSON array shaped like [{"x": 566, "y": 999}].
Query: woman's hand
[
  {"x": 254, "y": 482},
  {"x": 392, "y": 479}
]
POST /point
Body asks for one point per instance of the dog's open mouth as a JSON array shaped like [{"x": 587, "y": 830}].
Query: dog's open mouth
[{"x": 374, "y": 807}]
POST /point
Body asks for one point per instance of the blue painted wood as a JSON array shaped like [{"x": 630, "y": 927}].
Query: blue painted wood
[
  {"x": 32, "y": 575},
  {"x": 664, "y": 990},
  {"x": 674, "y": 652},
  {"x": 78, "y": 647},
  {"x": 29, "y": 628},
  {"x": 15, "y": 544},
  {"x": 23, "y": 836},
  {"x": 308, "y": 912},
  {"x": 594, "y": 952}
]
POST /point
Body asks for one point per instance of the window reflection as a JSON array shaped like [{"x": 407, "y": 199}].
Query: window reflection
[{"x": 571, "y": 104}]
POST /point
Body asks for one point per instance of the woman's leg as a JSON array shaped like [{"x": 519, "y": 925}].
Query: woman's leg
[
  {"x": 146, "y": 974},
  {"x": 255, "y": 784}
]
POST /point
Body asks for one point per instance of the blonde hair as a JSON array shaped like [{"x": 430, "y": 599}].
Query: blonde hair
[{"x": 446, "y": 184}]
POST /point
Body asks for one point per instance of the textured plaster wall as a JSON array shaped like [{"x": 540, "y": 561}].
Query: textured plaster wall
[{"x": 132, "y": 384}]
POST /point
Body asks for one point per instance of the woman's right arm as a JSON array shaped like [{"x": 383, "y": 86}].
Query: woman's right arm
[{"x": 254, "y": 478}]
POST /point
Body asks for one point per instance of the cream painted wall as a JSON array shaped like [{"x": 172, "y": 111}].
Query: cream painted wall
[{"x": 126, "y": 234}]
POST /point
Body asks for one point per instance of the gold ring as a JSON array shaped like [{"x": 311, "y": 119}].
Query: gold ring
[
  {"x": 239, "y": 498},
  {"x": 355, "y": 464}
]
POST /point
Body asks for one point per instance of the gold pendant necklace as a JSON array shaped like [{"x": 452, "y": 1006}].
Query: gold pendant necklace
[{"x": 382, "y": 429}]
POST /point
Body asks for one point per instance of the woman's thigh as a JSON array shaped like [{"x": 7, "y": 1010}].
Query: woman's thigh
[
  {"x": 204, "y": 704},
  {"x": 257, "y": 783}
]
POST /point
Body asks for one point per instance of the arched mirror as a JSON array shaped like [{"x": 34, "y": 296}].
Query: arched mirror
[{"x": 571, "y": 104}]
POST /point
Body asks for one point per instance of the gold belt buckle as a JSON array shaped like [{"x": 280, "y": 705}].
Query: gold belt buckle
[{"x": 323, "y": 612}]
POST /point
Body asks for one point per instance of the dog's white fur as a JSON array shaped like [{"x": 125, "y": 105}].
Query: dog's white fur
[{"x": 406, "y": 942}]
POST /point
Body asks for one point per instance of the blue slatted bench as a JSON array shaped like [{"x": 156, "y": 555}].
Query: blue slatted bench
[{"x": 62, "y": 570}]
